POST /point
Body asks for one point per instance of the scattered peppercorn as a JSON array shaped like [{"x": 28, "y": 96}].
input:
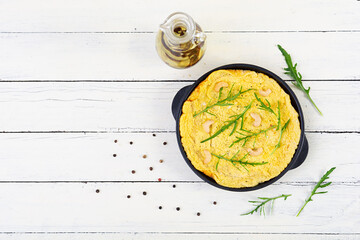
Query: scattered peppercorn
[
  {"x": 154, "y": 135},
  {"x": 150, "y": 168},
  {"x": 128, "y": 196},
  {"x": 164, "y": 143},
  {"x": 161, "y": 161},
  {"x": 160, "y": 207},
  {"x": 198, "y": 214},
  {"x": 133, "y": 171},
  {"x": 144, "y": 193},
  {"x": 144, "y": 156},
  {"x": 131, "y": 143},
  {"x": 174, "y": 186},
  {"x": 115, "y": 141},
  {"x": 97, "y": 191},
  {"x": 114, "y": 155},
  {"x": 214, "y": 202},
  {"x": 177, "y": 209}
]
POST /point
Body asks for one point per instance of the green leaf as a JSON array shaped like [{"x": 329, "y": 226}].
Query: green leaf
[
  {"x": 325, "y": 185},
  {"x": 222, "y": 102},
  {"x": 229, "y": 124},
  {"x": 260, "y": 205},
  {"x": 239, "y": 161},
  {"x": 317, "y": 186},
  {"x": 292, "y": 72},
  {"x": 263, "y": 106},
  {"x": 281, "y": 133},
  {"x": 245, "y": 138},
  {"x": 320, "y": 192}
]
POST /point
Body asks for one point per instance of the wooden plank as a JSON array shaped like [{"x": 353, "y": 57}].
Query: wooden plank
[
  {"x": 114, "y": 16},
  {"x": 89, "y": 157},
  {"x": 107, "y": 57},
  {"x": 78, "y": 208},
  {"x": 178, "y": 236},
  {"x": 142, "y": 106}
]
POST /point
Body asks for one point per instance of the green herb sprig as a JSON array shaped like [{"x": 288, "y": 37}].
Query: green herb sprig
[
  {"x": 240, "y": 161},
  {"x": 224, "y": 102},
  {"x": 281, "y": 133},
  {"x": 234, "y": 121},
  {"x": 278, "y": 117},
  {"x": 317, "y": 186},
  {"x": 260, "y": 205},
  {"x": 263, "y": 106},
  {"x": 246, "y": 138},
  {"x": 292, "y": 72}
]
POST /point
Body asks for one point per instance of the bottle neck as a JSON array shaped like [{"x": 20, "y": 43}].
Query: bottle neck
[{"x": 179, "y": 28}]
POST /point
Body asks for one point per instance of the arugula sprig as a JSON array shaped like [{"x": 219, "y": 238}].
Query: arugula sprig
[
  {"x": 234, "y": 121},
  {"x": 260, "y": 205},
  {"x": 282, "y": 129},
  {"x": 263, "y": 106},
  {"x": 246, "y": 138},
  {"x": 224, "y": 102},
  {"x": 278, "y": 117},
  {"x": 239, "y": 161},
  {"x": 281, "y": 133},
  {"x": 317, "y": 186},
  {"x": 292, "y": 72}
]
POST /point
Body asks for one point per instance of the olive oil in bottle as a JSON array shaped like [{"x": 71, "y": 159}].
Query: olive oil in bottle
[{"x": 180, "y": 41}]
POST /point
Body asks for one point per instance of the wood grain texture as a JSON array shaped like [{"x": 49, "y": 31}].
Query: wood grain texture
[
  {"x": 118, "y": 56},
  {"x": 143, "y": 106},
  {"x": 68, "y": 157},
  {"x": 178, "y": 236},
  {"x": 78, "y": 75},
  {"x": 78, "y": 207},
  {"x": 117, "y": 16}
]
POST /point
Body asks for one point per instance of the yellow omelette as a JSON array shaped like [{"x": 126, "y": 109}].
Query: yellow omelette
[{"x": 239, "y": 128}]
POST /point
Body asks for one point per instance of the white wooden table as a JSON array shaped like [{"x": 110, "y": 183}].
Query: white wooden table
[{"x": 80, "y": 81}]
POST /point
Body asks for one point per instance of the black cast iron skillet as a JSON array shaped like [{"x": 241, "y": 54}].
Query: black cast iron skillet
[{"x": 300, "y": 153}]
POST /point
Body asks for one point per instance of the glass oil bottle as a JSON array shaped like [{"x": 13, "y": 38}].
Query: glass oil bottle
[{"x": 180, "y": 41}]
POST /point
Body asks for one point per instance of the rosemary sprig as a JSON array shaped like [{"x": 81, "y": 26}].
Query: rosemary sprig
[
  {"x": 223, "y": 102},
  {"x": 260, "y": 205},
  {"x": 234, "y": 122},
  {"x": 246, "y": 138},
  {"x": 263, "y": 106},
  {"x": 318, "y": 185},
  {"x": 240, "y": 161},
  {"x": 292, "y": 72},
  {"x": 281, "y": 132}
]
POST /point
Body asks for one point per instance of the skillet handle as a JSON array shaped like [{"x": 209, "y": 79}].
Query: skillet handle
[
  {"x": 303, "y": 154},
  {"x": 177, "y": 101}
]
